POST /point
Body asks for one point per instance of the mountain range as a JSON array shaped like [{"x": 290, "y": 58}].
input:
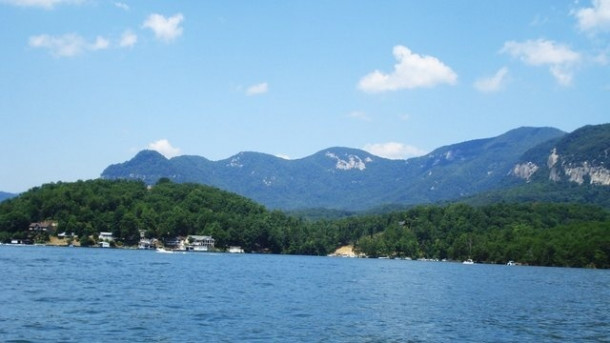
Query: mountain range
[
  {"x": 5, "y": 195},
  {"x": 352, "y": 179}
]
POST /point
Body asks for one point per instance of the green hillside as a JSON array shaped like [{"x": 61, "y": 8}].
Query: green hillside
[
  {"x": 164, "y": 210},
  {"x": 529, "y": 233}
]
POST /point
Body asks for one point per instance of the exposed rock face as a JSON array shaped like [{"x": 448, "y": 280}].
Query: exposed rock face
[
  {"x": 554, "y": 175},
  {"x": 550, "y": 163},
  {"x": 597, "y": 175},
  {"x": 553, "y": 158},
  {"x": 525, "y": 170},
  {"x": 580, "y": 173},
  {"x": 353, "y": 162},
  {"x": 600, "y": 176}
]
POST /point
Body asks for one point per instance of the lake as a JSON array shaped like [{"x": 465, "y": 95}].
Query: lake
[{"x": 98, "y": 295}]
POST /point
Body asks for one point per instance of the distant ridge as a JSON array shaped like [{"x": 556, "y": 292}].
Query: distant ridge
[
  {"x": 345, "y": 178},
  {"x": 5, "y": 196}
]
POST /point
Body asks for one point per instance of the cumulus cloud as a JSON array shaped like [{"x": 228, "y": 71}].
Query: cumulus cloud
[
  {"x": 410, "y": 71},
  {"x": 67, "y": 45},
  {"x": 164, "y": 147},
  {"x": 100, "y": 43},
  {"x": 492, "y": 83},
  {"x": 46, "y": 4},
  {"x": 596, "y": 18},
  {"x": 394, "y": 150},
  {"x": 128, "y": 39},
  {"x": 258, "y": 89},
  {"x": 559, "y": 58},
  {"x": 165, "y": 29}
]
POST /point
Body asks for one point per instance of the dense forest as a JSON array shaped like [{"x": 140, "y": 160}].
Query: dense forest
[{"x": 530, "y": 233}]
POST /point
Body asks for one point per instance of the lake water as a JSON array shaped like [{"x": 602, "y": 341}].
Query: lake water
[{"x": 98, "y": 295}]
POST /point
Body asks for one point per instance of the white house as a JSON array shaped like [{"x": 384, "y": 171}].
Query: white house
[
  {"x": 105, "y": 236},
  {"x": 200, "y": 243}
]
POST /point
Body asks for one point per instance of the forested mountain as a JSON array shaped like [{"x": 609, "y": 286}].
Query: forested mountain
[
  {"x": 347, "y": 179},
  {"x": 570, "y": 169},
  {"x": 538, "y": 234},
  {"x": 582, "y": 157}
]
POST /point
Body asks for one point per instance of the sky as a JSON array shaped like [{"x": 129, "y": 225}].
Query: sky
[{"x": 89, "y": 83}]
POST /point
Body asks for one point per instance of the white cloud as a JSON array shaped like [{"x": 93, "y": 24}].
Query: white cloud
[
  {"x": 411, "y": 71},
  {"x": 101, "y": 43},
  {"x": 128, "y": 39},
  {"x": 67, "y": 45},
  {"x": 164, "y": 147},
  {"x": 540, "y": 52},
  {"x": 62, "y": 46},
  {"x": 165, "y": 29},
  {"x": 258, "y": 89},
  {"x": 394, "y": 150},
  {"x": 560, "y": 58},
  {"x": 596, "y": 18},
  {"x": 493, "y": 83},
  {"x": 122, "y": 6},
  {"x": 46, "y": 4},
  {"x": 360, "y": 115}
]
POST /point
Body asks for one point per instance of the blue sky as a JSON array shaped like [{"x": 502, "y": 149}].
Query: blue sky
[{"x": 85, "y": 84}]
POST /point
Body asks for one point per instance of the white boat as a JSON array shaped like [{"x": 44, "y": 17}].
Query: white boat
[
  {"x": 235, "y": 250},
  {"x": 468, "y": 261},
  {"x": 163, "y": 251},
  {"x": 511, "y": 263},
  {"x": 197, "y": 248}
]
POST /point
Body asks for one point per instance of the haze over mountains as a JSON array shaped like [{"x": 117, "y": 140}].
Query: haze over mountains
[
  {"x": 5, "y": 195},
  {"x": 352, "y": 179}
]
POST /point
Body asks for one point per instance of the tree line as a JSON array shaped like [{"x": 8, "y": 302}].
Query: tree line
[{"x": 531, "y": 233}]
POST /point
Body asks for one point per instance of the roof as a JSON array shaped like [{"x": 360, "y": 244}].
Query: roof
[{"x": 200, "y": 238}]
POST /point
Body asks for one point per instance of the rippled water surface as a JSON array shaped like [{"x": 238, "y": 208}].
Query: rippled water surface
[{"x": 99, "y": 295}]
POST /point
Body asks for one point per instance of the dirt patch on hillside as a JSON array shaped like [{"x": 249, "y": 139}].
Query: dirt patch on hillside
[
  {"x": 345, "y": 251},
  {"x": 61, "y": 242}
]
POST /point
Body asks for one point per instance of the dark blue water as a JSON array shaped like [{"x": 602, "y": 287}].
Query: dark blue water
[{"x": 99, "y": 295}]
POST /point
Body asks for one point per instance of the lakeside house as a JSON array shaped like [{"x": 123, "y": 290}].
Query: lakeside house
[
  {"x": 63, "y": 235},
  {"x": 190, "y": 243},
  {"x": 46, "y": 226},
  {"x": 200, "y": 243},
  {"x": 176, "y": 243},
  {"x": 106, "y": 236},
  {"x": 145, "y": 243}
]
